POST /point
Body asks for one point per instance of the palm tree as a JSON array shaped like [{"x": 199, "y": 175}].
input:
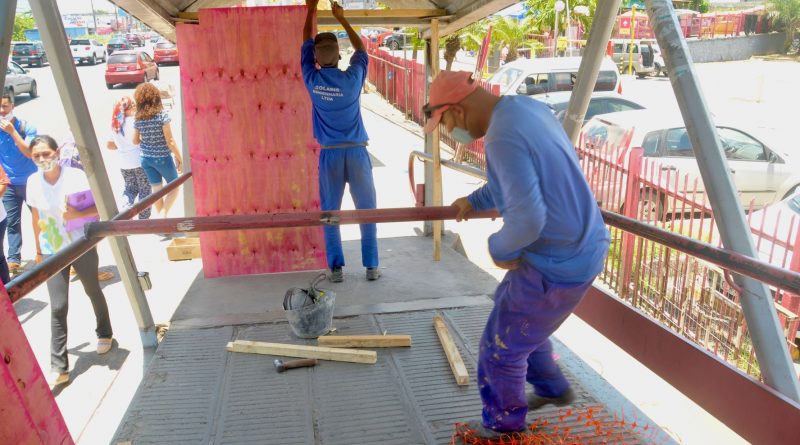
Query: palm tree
[
  {"x": 451, "y": 47},
  {"x": 543, "y": 12},
  {"x": 512, "y": 32},
  {"x": 788, "y": 13}
]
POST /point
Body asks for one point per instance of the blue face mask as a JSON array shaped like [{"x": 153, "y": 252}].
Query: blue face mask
[{"x": 462, "y": 136}]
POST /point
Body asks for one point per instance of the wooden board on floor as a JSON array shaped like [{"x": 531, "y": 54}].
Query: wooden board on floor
[
  {"x": 365, "y": 341},
  {"x": 451, "y": 351},
  {"x": 183, "y": 249},
  {"x": 302, "y": 351}
]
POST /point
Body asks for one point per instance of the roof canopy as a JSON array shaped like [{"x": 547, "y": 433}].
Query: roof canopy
[{"x": 161, "y": 15}]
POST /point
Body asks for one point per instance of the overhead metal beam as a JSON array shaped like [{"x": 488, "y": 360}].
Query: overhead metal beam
[
  {"x": 152, "y": 14},
  {"x": 360, "y": 17},
  {"x": 48, "y": 18},
  {"x": 756, "y": 299},
  {"x": 466, "y": 13}
]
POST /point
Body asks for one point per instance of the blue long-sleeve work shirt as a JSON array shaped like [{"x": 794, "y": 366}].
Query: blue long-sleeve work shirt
[{"x": 550, "y": 216}]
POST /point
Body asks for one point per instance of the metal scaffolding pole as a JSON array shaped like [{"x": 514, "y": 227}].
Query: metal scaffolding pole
[
  {"x": 595, "y": 51},
  {"x": 756, "y": 300},
  {"x": 429, "y": 140},
  {"x": 7, "y": 12},
  {"x": 54, "y": 39},
  {"x": 189, "y": 208}
]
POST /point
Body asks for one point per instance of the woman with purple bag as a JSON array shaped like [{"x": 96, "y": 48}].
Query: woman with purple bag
[{"x": 60, "y": 197}]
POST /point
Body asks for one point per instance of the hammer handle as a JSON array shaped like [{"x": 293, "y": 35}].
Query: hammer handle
[{"x": 302, "y": 363}]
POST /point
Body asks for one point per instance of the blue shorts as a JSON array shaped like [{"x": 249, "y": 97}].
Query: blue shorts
[{"x": 157, "y": 168}]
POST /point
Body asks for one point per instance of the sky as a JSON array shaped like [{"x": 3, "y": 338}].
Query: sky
[{"x": 71, "y": 6}]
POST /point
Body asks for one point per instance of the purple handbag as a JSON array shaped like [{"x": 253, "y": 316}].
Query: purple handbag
[{"x": 80, "y": 201}]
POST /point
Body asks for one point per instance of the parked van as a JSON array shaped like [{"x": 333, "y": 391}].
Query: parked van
[
  {"x": 645, "y": 53},
  {"x": 545, "y": 75}
]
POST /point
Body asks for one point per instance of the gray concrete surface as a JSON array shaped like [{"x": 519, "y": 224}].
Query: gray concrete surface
[{"x": 728, "y": 49}]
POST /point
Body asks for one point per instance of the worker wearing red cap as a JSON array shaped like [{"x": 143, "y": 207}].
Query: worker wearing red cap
[
  {"x": 553, "y": 242},
  {"x": 339, "y": 129}
]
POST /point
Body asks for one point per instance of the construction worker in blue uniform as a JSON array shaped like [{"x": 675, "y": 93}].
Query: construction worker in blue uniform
[
  {"x": 553, "y": 242},
  {"x": 339, "y": 129}
]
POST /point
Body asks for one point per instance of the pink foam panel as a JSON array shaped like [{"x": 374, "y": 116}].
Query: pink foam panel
[{"x": 252, "y": 150}]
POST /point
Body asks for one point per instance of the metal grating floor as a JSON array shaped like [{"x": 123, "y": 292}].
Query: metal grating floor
[{"x": 197, "y": 393}]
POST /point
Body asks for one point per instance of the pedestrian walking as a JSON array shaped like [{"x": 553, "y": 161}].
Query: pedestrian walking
[{"x": 137, "y": 186}]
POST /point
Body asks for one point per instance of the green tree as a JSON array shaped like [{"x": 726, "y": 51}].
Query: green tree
[
  {"x": 700, "y": 6},
  {"x": 787, "y": 12},
  {"x": 512, "y": 32},
  {"x": 543, "y": 12},
  {"x": 22, "y": 22}
]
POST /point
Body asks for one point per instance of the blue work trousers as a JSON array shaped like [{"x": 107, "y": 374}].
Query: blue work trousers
[
  {"x": 515, "y": 346},
  {"x": 337, "y": 167}
]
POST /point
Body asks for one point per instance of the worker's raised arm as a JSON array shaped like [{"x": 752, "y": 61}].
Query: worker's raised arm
[
  {"x": 355, "y": 39},
  {"x": 309, "y": 26}
]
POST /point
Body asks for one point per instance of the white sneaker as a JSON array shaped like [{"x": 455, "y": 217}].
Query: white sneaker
[{"x": 104, "y": 345}]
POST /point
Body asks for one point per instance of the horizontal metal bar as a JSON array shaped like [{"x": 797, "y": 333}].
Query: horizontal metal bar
[
  {"x": 727, "y": 259},
  {"x": 29, "y": 280},
  {"x": 275, "y": 220},
  {"x": 756, "y": 412}
]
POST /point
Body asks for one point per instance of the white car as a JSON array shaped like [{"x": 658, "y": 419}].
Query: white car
[
  {"x": 87, "y": 50},
  {"x": 761, "y": 174},
  {"x": 546, "y": 75},
  {"x": 775, "y": 228}
]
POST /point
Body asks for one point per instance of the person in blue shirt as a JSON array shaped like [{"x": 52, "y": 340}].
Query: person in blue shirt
[
  {"x": 339, "y": 129},
  {"x": 553, "y": 242},
  {"x": 15, "y": 158}
]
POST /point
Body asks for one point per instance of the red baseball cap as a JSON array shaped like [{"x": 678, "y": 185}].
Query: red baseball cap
[{"x": 447, "y": 89}]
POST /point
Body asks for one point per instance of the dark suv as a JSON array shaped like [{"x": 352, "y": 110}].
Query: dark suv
[
  {"x": 30, "y": 53},
  {"x": 117, "y": 44}
]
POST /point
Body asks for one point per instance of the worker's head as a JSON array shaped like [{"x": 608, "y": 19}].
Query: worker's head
[
  {"x": 44, "y": 152},
  {"x": 7, "y": 106},
  {"x": 148, "y": 101},
  {"x": 457, "y": 102},
  {"x": 326, "y": 49}
]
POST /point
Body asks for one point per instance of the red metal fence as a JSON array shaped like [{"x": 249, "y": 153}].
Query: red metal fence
[
  {"x": 694, "y": 24},
  {"x": 402, "y": 82},
  {"x": 692, "y": 297}
]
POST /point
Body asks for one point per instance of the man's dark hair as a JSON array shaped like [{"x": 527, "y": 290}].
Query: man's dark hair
[
  {"x": 325, "y": 36},
  {"x": 46, "y": 140},
  {"x": 9, "y": 96}
]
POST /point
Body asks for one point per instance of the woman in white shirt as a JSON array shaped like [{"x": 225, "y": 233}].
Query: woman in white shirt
[
  {"x": 130, "y": 155},
  {"x": 49, "y": 191}
]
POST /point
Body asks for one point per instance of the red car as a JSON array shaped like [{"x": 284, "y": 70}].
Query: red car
[
  {"x": 132, "y": 66},
  {"x": 165, "y": 52}
]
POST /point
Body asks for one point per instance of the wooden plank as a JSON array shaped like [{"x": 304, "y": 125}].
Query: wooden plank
[
  {"x": 437, "y": 158},
  {"x": 364, "y": 341},
  {"x": 450, "y": 349},
  {"x": 183, "y": 249},
  {"x": 303, "y": 351},
  {"x": 357, "y": 13}
]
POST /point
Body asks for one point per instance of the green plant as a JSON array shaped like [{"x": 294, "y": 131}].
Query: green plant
[
  {"x": 22, "y": 23},
  {"x": 700, "y": 6},
  {"x": 542, "y": 13},
  {"x": 512, "y": 32},
  {"x": 787, "y": 13}
]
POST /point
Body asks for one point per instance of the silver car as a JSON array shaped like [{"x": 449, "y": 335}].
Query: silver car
[{"x": 18, "y": 81}]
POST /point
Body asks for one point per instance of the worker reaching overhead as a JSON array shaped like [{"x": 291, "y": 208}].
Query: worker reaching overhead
[
  {"x": 339, "y": 129},
  {"x": 553, "y": 242}
]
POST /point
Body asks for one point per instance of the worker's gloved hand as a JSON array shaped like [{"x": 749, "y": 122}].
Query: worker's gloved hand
[
  {"x": 464, "y": 208},
  {"x": 338, "y": 11}
]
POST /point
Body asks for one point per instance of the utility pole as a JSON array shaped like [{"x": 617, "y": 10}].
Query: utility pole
[{"x": 94, "y": 16}]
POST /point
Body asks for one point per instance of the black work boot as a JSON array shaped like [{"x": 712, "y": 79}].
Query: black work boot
[
  {"x": 536, "y": 402},
  {"x": 373, "y": 273},
  {"x": 481, "y": 432},
  {"x": 336, "y": 275}
]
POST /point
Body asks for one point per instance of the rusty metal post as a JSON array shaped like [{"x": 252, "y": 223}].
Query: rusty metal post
[
  {"x": 757, "y": 302},
  {"x": 593, "y": 55},
  {"x": 55, "y": 42},
  {"x": 631, "y": 207}
]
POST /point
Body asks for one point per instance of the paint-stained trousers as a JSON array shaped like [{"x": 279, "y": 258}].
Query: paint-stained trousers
[
  {"x": 515, "y": 346},
  {"x": 337, "y": 167}
]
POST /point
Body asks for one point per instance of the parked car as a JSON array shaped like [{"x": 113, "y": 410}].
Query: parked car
[
  {"x": 117, "y": 44},
  {"x": 155, "y": 38},
  {"x": 132, "y": 67},
  {"x": 88, "y": 50},
  {"x": 30, "y": 53},
  {"x": 165, "y": 51},
  {"x": 18, "y": 81},
  {"x": 134, "y": 40},
  {"x": 602, "y": 102},
  {"x": 781, "y": 222},
  {"x": 761, "y": 173},
  {"x": 397, "y": 40},
  {"x": 643, "y": 56},
  {"x": 539, "y": 76}
]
